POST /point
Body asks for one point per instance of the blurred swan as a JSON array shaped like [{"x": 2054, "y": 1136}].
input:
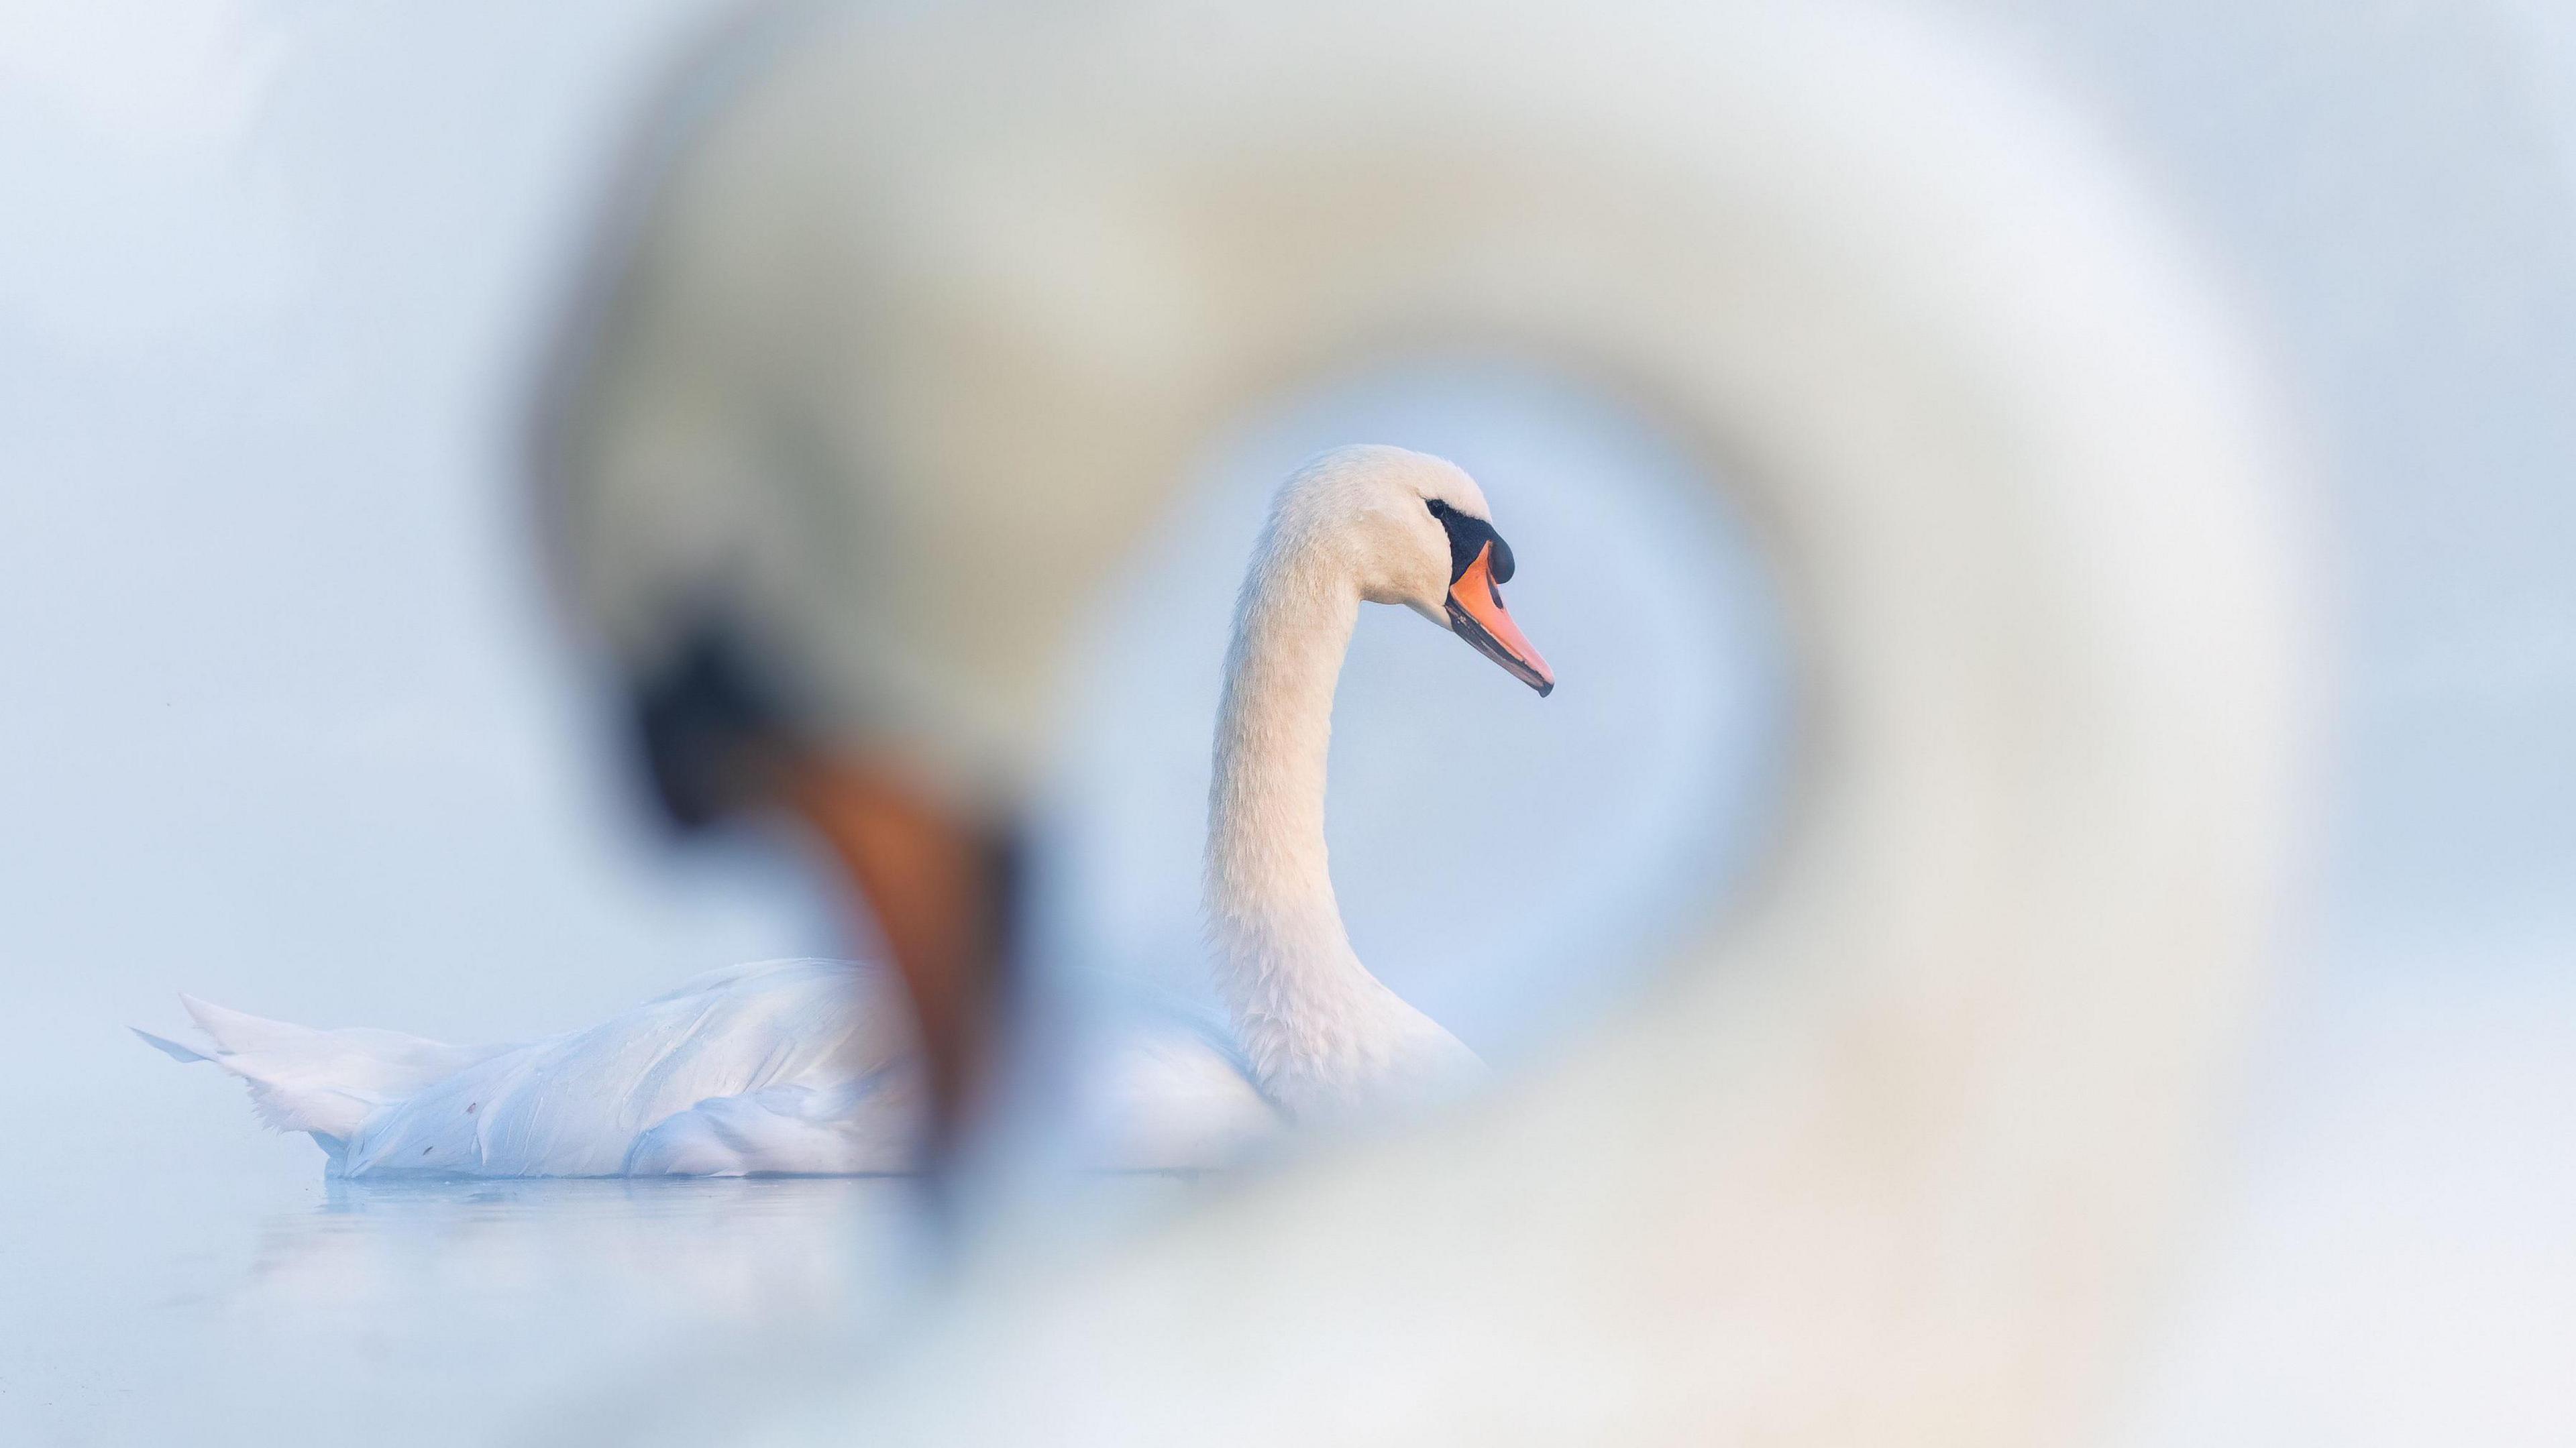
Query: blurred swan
[
  {"x": 919, "y": 313},
  {"x": 811, "y": 1067}
]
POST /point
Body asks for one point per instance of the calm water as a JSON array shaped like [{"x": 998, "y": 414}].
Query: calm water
[
  {"x": 250, "y": 1304},
  {"x": 171, "y": 1272}
]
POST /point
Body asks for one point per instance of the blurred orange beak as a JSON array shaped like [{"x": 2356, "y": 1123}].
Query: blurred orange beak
[
  {"x": 940, "y": 893},
  {"x": 1477, "y": 614}
]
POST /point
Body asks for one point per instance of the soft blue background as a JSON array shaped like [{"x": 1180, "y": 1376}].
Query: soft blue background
[{"x": 282, "y": 721}]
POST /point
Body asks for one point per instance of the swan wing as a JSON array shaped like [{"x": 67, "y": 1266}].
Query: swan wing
[
  {"x": 861, "y": 1127},
  {"x": 325, "y": 1082},
  {"x": 582, "y": 1104}
]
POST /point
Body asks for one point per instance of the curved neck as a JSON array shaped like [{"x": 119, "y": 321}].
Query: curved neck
[{"x": 1284, "y": 961}]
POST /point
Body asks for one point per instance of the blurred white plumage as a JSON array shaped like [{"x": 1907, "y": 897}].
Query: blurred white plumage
[{"x": 1893, "y": 1152}]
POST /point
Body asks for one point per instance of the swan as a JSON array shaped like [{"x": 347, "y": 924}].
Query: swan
[
  {"x": 1896, "y": 1146},
  {"x": 813, "y": 1066}
]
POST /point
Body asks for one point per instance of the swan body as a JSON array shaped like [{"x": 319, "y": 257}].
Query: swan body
[
  {"x": 783, "y": 1067},
  {"x": 810, "y": 1067}
]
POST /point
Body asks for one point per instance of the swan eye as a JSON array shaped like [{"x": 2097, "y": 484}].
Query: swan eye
[{"x": 1467, "y": 538}]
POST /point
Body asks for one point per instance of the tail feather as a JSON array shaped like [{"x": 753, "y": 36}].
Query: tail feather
[
  {"x": 240, "y": 1032},
  {"x": 168, "y": 1047},
  {"x": 316, "y": 1081}
]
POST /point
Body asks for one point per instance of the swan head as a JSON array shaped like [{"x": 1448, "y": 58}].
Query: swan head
[{"x": 1415, "y": 530}]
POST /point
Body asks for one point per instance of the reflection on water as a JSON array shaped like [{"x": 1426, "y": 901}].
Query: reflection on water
[
  {"x": 717, "y": 1253},
  {"x": 247, "y": 1309},
  {"x": 171, "y": 1272},
  {"x": 471, "y": 1311}
]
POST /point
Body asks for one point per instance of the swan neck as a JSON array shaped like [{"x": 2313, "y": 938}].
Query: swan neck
[{"x": 1283, "y": 957}]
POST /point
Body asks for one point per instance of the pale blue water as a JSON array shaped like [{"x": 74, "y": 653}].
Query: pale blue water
[
  {"x": 174, "y": 1275},
  {"x": 2394, "y": 1204},
  {"x": 171, "y": 1273}
]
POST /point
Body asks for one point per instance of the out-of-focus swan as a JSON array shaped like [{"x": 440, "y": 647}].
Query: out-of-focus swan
[
  {"x": 923, "y": 309},
  {"x": 811, "y": 1066}
]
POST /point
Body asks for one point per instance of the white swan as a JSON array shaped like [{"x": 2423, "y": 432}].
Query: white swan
[{"x": 811, "y": 1066}]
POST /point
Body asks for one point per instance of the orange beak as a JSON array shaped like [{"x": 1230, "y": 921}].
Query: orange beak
[
  {"x": 939, "y": 891},
  {"x": 1477, "y": 614}
]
